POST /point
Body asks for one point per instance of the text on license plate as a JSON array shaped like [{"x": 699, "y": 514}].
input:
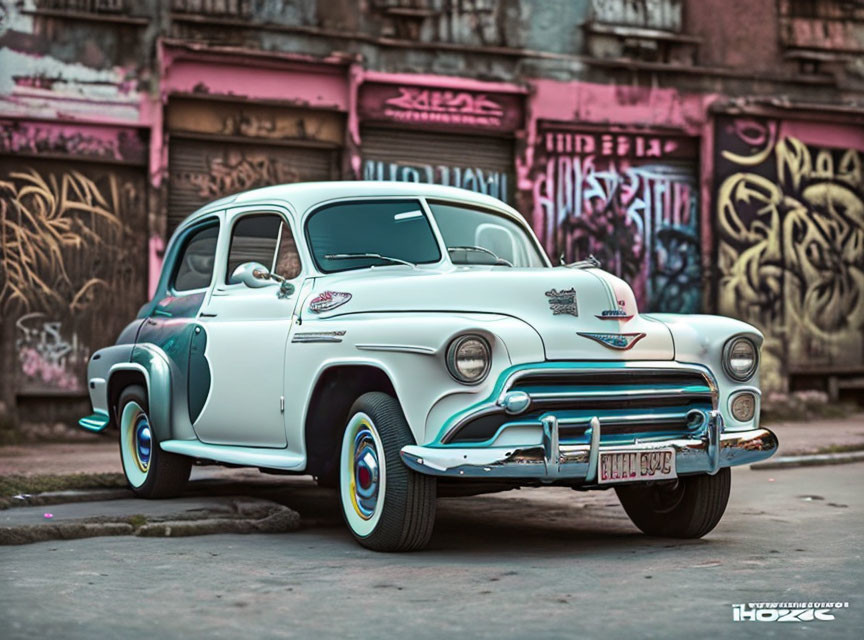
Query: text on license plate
[{"x": 630, "y": 466}]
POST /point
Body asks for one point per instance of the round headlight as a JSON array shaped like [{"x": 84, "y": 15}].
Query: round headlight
[
  {"x": 740, "y": 358},
  {"x": 469, "y": 359},
  {"x": 743, "y": 407}
]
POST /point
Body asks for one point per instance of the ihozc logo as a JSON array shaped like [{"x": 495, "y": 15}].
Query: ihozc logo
[{"x": 786, "y": 611}]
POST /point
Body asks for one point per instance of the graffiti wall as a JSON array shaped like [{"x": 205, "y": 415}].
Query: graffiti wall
[
  {"x": 218, "y": 148},
  {"x": 790, "y": 228},
  {"x": 72, "y": 266},
  {"x": 631, "y": 200},
  {"x": 488, "y": 181},
  {"x": 455, "y": 136}
]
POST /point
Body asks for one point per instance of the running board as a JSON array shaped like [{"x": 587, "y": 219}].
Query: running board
[{"x": 243, "y": 456}]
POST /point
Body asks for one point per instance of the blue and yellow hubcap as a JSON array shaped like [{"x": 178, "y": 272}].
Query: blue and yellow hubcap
[
  {"x": 365, "y": 473},
  {"x": 143, "y": 442}
]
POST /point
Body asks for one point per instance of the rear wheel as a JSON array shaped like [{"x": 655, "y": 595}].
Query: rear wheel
[
  {"x": 688, "y": 507},
  {"x": 387, "y": 506},
  {"x": 150, "y": 472}
]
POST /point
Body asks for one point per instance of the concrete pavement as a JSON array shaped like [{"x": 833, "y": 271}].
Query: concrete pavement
[{"x": 539, "y": 563}]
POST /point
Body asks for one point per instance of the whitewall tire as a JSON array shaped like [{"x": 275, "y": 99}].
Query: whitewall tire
[
  {"x": 386, "y": 505},
  {"x": 150, "y": 472}
]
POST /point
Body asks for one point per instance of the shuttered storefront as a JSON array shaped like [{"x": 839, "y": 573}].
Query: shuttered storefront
[
  {"x": 457, "y": 137},
  {"x": 73, "y": 202},
  {"x": 479, "y": 163},
  {"x": 220, "y": 149}
]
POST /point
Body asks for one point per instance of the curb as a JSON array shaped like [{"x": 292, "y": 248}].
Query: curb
[
  {"x": 812, "y": 460},
  {"x": 65, "y": 497},
  {"x": 245, "y": 517}
]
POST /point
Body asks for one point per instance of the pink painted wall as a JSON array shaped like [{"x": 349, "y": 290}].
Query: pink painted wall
[
  {"x": 824, "y": 134},
  {"x": 311, "y": 85}
]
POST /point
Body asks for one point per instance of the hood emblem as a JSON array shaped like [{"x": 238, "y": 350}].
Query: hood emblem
[
  {"x": 620, "y": 341},
  {"x": 328, "y": 300},
  {"x": 614, "y": 314},
  {"x": 563, "y": 302}
]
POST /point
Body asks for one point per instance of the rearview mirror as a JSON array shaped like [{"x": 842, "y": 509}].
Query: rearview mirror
[
  {"x": 256, "y": 275},
  {"x": 252, "y": 274}
]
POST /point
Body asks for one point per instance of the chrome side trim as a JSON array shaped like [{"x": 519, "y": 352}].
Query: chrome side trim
[
  {"x": 406, "y": 348},
  {"x": 318, "y": 336},
  {"x": 246, "y": 456}
]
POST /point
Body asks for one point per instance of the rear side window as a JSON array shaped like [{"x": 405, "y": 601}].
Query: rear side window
[
  {"x": 265, "y": 239},
  {"x": 196, "y": 260}
]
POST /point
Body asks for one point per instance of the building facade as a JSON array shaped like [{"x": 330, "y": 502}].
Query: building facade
[{"x": 709, "y": 152}]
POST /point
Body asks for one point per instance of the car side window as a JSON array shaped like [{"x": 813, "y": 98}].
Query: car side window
[
  {"x": 266, "y": 239},
  {"x": 196, "y": 260}
]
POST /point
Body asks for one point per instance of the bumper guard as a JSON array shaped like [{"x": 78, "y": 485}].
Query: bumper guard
[{"x": 551, "y": 461}]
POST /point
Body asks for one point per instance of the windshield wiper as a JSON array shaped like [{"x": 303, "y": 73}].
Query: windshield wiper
[
  {"x": 360, "y": 256},
  {"x": 498, "y": 261}
]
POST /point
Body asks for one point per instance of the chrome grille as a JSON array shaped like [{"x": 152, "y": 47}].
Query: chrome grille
[{"x": 628, "y": 402}]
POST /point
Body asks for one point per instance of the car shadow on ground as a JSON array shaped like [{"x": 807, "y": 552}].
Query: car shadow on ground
[{"x": 514, "y": 522}]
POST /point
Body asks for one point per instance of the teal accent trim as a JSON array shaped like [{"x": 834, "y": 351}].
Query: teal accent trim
[
  {"x": 502, "y": 380},
  {"x": 95, "y": 422},
  {"x": 198, "y": 374},
  {"x": 491, "y": 399},
  {"x": 162, "y": 312},
  {"x": 154, "y": 362}
]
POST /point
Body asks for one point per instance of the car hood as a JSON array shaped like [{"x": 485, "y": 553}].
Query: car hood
[{"x": 580, "y": 314}]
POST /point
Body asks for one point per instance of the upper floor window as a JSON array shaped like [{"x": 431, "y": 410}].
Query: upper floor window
[
  {"x": 196, "y": 259},
  {"x": 266, "y": 239}
]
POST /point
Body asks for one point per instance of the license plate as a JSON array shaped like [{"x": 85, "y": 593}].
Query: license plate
[{"x": 633, "y": 466}]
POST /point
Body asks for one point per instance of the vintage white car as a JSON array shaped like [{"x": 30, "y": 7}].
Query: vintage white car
[{"x": 396, "y": 339}]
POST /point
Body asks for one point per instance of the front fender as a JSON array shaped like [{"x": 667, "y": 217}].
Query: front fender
[
  {"x": 410, "y": 349},
  {"x": 699, "y": 339}
]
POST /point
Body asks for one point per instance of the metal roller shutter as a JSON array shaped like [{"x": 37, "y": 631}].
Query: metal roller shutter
[
  {"x": 202, "y": 171},
  {"x": 480, "y": 163}
]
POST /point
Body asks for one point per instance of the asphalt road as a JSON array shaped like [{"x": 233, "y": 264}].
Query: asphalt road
[{"x": 548, "y": 563}]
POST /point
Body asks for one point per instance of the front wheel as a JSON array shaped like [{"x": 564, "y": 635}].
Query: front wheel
[
  {"x": 387, "y": 506},
  {"x": 688, "y": 507},
  {"x": 150, "y": 472}
]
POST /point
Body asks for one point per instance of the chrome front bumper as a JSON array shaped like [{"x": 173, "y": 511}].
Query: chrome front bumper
[{"x": 551, "y": 461}]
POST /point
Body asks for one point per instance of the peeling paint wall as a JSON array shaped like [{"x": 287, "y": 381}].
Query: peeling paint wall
[
  {"x": 683, "y": 143},
  {"x": 790, "y": 228},
  {"x": 74, "y": 200}
]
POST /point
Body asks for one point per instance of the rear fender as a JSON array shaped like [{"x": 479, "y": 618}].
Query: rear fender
[{"x": 152, "y": 364}]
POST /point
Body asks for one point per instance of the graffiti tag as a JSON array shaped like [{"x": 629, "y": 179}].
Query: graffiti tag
[
  {"x": 640, "y": 220},
  {"x": 45, "y": 356},
  {"x": 791, "y": 231},
  {"x": 493, "y": 183}
]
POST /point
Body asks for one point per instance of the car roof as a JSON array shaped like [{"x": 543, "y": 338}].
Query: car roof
[{"x": 302, "y": 195}]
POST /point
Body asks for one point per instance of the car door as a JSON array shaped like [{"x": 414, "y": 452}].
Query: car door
[
  {"x": 245, "y": 333},
  {"x": 186, "y": 279}
]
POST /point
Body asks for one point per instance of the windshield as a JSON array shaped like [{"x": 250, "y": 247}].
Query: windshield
[
  {"x": 475, "y": 236},
  {"x": 397, "y": 230}
]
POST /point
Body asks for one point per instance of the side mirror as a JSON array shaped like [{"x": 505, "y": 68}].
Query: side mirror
[
  {"x": 252, "y": 274},
  {"x": 256, "y": 275}
]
